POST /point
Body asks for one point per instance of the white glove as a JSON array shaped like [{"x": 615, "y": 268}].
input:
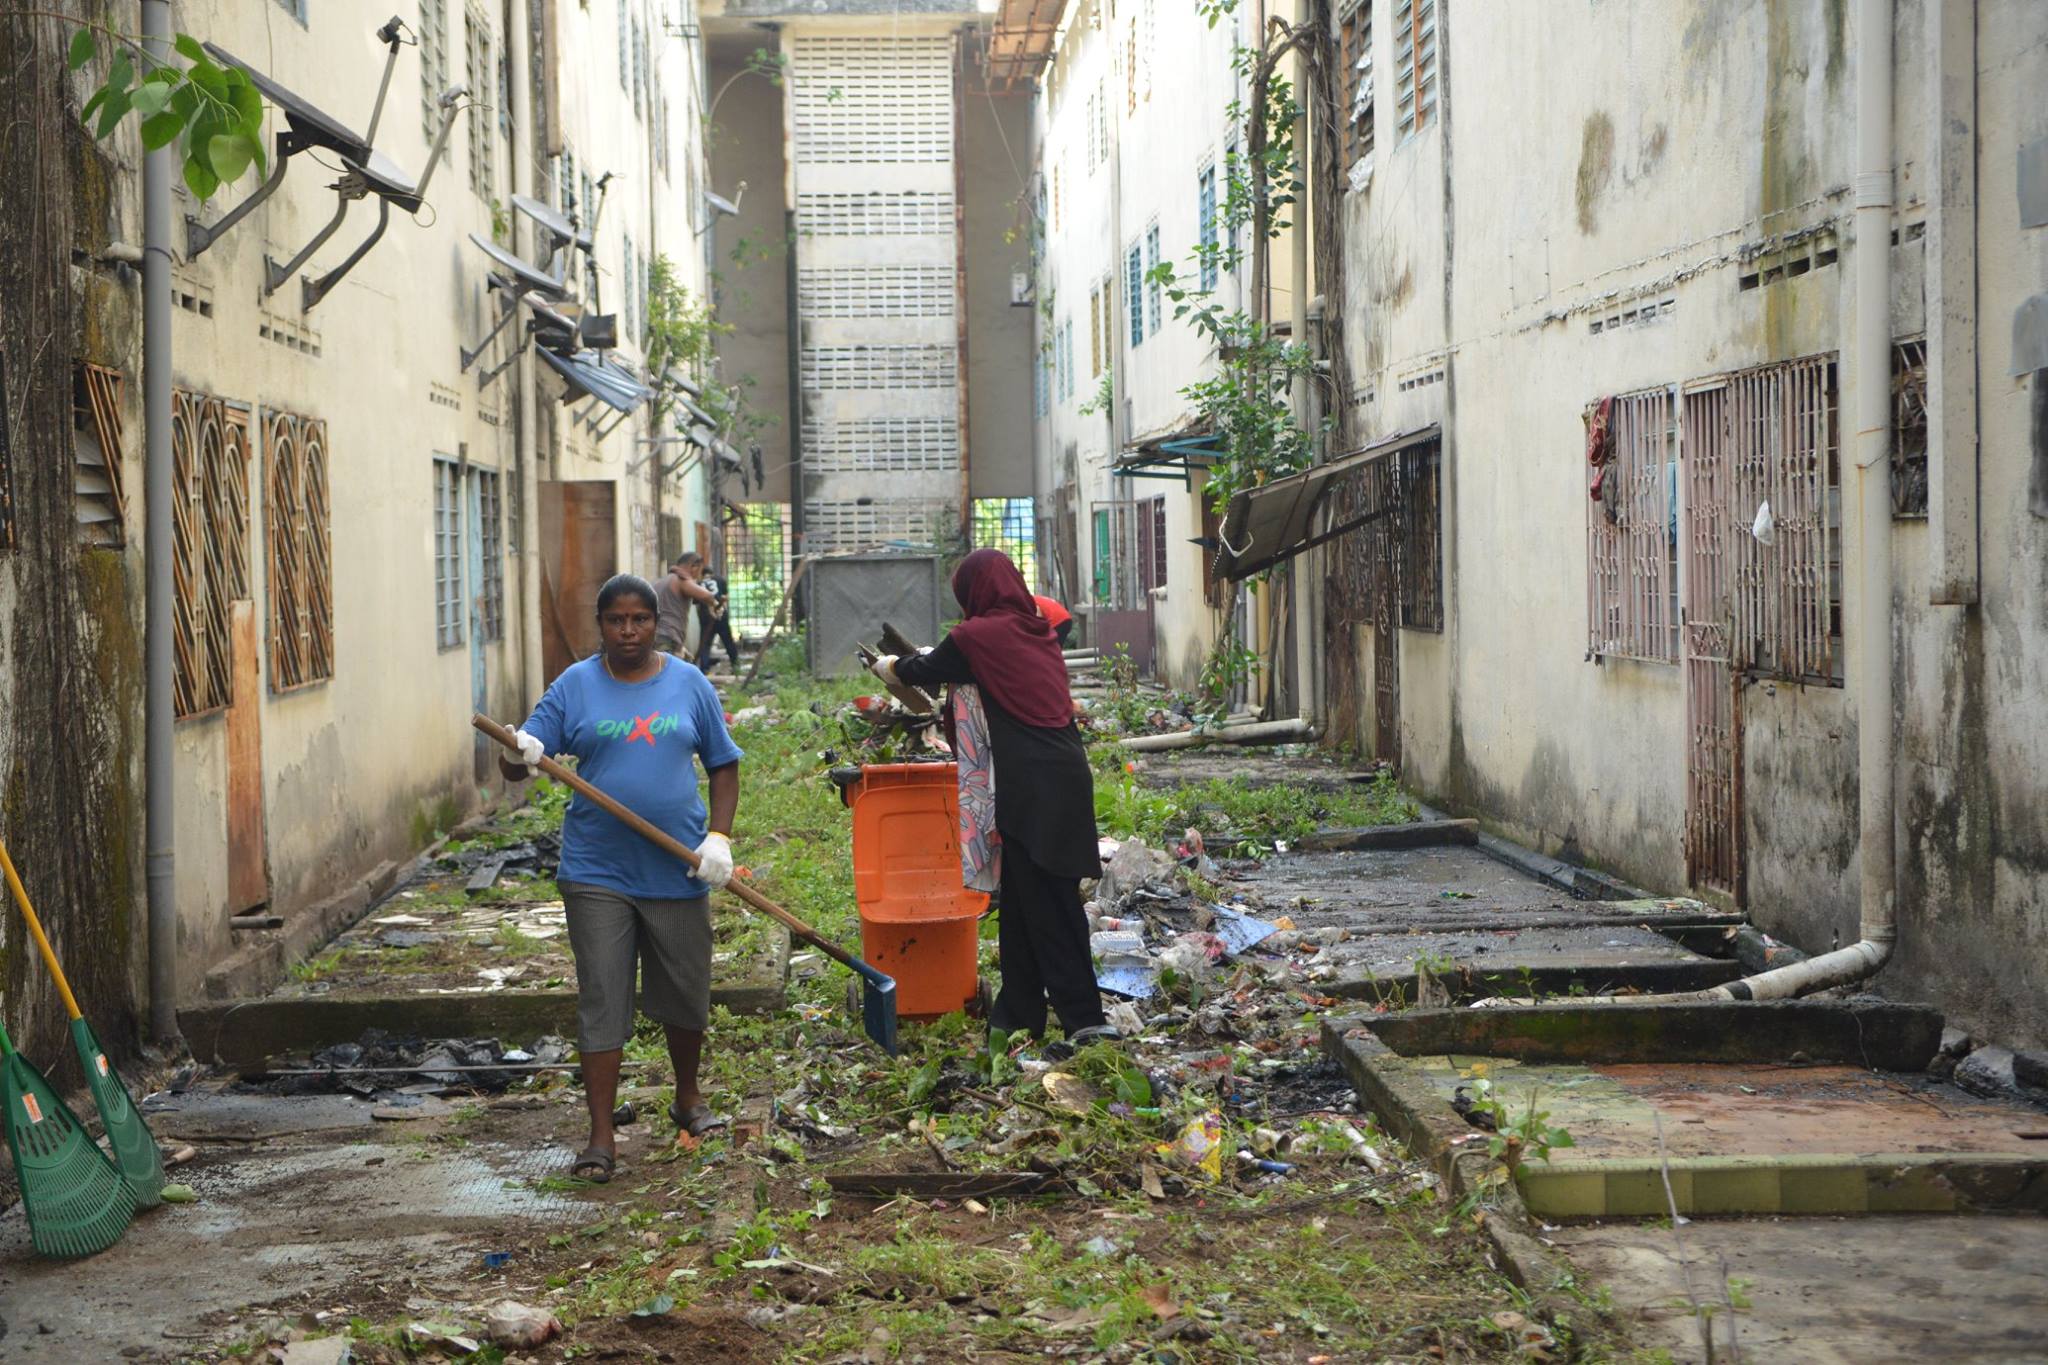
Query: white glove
[
  {"x": 530, "y": 749},
  {"x": 924, "y": 649},
  {"x": 885, "y": 669},
  {"x": 714, "y": 860}
]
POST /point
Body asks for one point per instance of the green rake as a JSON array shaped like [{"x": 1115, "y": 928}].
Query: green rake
[
  {"x": 77, "y": 1202},
  {"x": 136, "y": 1155}
]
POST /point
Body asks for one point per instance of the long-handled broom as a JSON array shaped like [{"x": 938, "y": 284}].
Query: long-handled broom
[
  {"x": 136, "y": 1154},
  {"x": 878, "y": 990},
  {"x": 77, "y": 1202}
]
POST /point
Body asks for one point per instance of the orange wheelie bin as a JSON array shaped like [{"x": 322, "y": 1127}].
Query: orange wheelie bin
[{"x": 918, "y": 922}]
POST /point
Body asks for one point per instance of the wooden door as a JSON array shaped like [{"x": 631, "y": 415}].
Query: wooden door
[
  {"x": 579, "y": 539},
  {"x": 248, "y": 843}
]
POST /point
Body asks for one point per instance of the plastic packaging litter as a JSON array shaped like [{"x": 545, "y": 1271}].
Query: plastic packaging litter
[{"x": 1200, "y": 1145}]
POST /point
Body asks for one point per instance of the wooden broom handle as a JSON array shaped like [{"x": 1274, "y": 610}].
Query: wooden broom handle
[{"x": 661, "y": 839}]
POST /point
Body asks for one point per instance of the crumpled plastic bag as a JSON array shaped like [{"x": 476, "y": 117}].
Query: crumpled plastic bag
[
  {"x": 516, "y": 1325},
  {"x": 1200, "y": 1145},
  {"x": 1765, "y": 527}
]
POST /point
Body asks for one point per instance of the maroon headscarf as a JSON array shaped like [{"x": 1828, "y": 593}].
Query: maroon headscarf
[{"x": 1011, "y": 648}]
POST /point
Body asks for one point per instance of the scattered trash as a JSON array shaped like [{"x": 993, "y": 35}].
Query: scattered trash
[
  {"x": 1070, "y": 1093},
  {"x": 1200, "y": 1145},
  {"x": 516, "y": 1326},
  {"x": 625, "y": 1114},
  {"x": 1100, "y": 1246},
  {"x": 336, "y": 1350},
  {"x": 442, "y": 1334},
  {"x": 180, "y": 1194},
  {"x": 656, "y": 1307},
  {"x": 497, "y": 1260},
  {"x": 181, "y": 1155}
]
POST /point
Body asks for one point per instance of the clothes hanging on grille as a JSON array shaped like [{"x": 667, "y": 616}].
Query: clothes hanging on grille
[{"x": 981, "y": 845}]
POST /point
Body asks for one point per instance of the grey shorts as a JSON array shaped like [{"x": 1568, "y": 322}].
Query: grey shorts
[{"x": 610, "y": 933}]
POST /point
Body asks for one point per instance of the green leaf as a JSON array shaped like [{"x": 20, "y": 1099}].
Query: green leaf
[
  {"x": 149, "y": 99},
  {"x": 655, "y": 1307},
  {"x": 160, "y": 131},
  {"x": 189, "y": 48},
  {"x": 112, "y": 112},
  {"x": 184, "y": 100},
  {"x": 82, "y": 48},
  {"x": 179, "y": 1194},
  {"x": 210, "y": 79},
  {"x": 122, "y": 73},
  {"x": 99, "y": 97},
  {"x": 248, "y": 101},
  {"x": 199, "y": 177},
  {"x": 229, "y": 154}
]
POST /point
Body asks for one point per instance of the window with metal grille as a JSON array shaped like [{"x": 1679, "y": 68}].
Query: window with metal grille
[
  {"x": 1055, "y": 198},
  {"x": 565, "y": 181},
  {"x": 1152, "y": 295},
  {"x": 1089, "y": 129},
  {"x": 1414, "y": 63},
  {"x": 757, "y": 564},
  {"x": 1152, "y": 557},
  {"x": 880, "y": 213},
  {"x": 867, "y": 100},
  {"x": 661, "y": 134},
  {"x": 1101, "y": 120},
  {"x": 447, "y": 553},
  {"x": 629, "y": 292},
  {"x": 1131, "y": 65},
  {"x": 1063, "y": 357},
  {"x": 298, "y": 551},
  {"x": 480, "y": 66},
  {"x": 1228, "y": 227},
  {"x": 1134, "y": 291},
  {"x": 96, "y": 445},
  {"x": 1040, "y": 398},
  {"x": 433, "y": 63},
  {"x": 875, "y": 291},
  {"x": 1355, "y": 52},
  {"x": 639, "y": 70},
  {"x": 888, "y": 445},
  {"x": 1009, "y": 525},
  {"x": 1909, "y": 428},
  {"x": 209, "y": 546},
  {"x": 1205, "y": 223},
  {"x": 1632, "y": 533},
  {"x": 1778, "y": 426},
  {"x": 490, "y": 511},
  {"x": 1421, "y": 568},
  {"x": 877, "y": 367},
  {"x": 296, "y": 9}
]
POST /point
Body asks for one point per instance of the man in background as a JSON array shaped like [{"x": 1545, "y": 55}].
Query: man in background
[
  {"x": 713, "y": 624},
  {"x": 674, "y": 594},
  {"x": 1058, "y": 617}
]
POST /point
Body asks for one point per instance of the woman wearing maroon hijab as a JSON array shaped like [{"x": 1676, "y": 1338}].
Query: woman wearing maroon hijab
[{"x": 1044, "y": 792}]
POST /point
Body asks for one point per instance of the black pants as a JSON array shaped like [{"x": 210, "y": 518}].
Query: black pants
[
  {"x": 711, "y": 629},
  {"x": 1063, "y": 632},
  {"x": 1043, "y": 945}
]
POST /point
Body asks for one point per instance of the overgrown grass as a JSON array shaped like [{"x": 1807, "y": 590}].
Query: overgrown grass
[{"x": 1126, "y": 807}]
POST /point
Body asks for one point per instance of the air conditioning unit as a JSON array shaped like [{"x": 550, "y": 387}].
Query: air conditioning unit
[{"x": 1020, "y": 289}]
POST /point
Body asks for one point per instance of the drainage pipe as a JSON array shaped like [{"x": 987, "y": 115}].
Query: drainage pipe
[
  {"x": 159, "y": 830},
  {"x": 1257, "y": 732}
]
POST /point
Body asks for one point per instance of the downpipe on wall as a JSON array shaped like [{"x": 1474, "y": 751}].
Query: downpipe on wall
[{"x": 159, "y": 819}]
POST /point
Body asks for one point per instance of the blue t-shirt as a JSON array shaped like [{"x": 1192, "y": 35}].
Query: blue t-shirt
[{"x": 634, "y": 742}]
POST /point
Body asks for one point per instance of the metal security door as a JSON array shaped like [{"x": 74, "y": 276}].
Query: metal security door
[{"x": 1713, "y": 773}]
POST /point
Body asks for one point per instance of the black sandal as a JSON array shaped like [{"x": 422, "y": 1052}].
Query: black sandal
[
  {"x": 697, "y": 1120},
  {"x": 597, "y": 1162}
]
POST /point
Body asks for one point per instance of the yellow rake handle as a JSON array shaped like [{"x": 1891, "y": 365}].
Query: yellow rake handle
[{"x": 35, "y": 926}]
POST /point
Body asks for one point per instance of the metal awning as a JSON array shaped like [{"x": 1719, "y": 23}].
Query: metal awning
[
  {"x": 1176, "y": 456},
  {"x": 1274, "y": 522},
  {"x": 589, "y": 377}
]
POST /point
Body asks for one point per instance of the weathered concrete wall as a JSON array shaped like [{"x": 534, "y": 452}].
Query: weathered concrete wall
[
  {"x": 752, "y": 283},
  {"x": 995, "y": 138},
  {"x": 1724, "y": 125}
]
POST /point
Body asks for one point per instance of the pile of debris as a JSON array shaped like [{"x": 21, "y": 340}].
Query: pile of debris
[{"x": 391, "y": 1064}]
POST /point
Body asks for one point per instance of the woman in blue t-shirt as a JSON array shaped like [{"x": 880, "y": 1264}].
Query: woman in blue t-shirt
[{"x": 634, "y": 717}]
